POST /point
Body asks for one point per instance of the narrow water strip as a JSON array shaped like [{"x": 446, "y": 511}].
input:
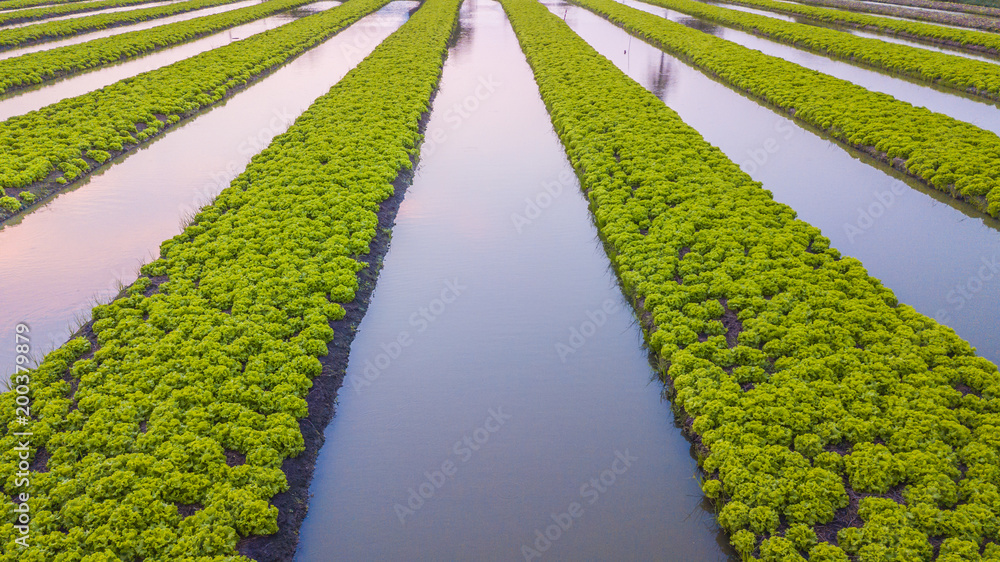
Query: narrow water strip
[
  {"x": 498, "y": 400},
  {"x": 943, "y": 260},
  {"x": 74, "y": 249},
  {"x": 882, "y": 37},
  {"x": 907, "y": 17},
  {"x": 90, "y": 13},
  {"x": 45, "y": 94},
  {"x": 918, "y": 8},
  {"x": 901, "y": 41},
  {"x": 84, "y": 37},
  {"x": 980, "y": 113}
]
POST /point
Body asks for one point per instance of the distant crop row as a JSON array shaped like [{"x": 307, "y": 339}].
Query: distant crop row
[
  {"x": 64, "y": 9},
  {"x": 978, "y": 41},
  {"x": 817, "y": 402},
  {"x": 18, "y": 4},
  {"x": 953, "y": 6},
  {"x": 36, "y": 68},
  {"x": 72, "y": 136},
  {"x": 967, "y": 75},
  {"x": 192, "y": 393},
  {"x": 952, "y": 156},
  {"x": 50, "y": 31},
  {"x": 960, "y": 19}
]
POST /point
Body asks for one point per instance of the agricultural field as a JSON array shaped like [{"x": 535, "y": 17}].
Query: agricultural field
[{"x": 499, "y": 279}]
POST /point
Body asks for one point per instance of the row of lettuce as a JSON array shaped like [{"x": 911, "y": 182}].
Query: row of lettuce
[
  {"x": 47, "y": 149},
  {"x": 953, "y": 6},
  {"x": 967, "y": 75},
  {"x": 54, "y": 10},
  {"x": 192, "y": 394},
  {"x": 11, "y": 38},
  {"x": 952, "y": 156},
  {"x": 878, "y": 8},
  {"x": 18, "y": 4},
  {"x": 972, "y": 40},
  {"x": 816, "y": 400},
  {"x": 39, "y": 67}
]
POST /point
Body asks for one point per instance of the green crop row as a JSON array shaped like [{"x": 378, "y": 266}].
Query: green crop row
[
  {"x": 18, "y": 4},
  {"x": 191, "y": 397},
  {"x": 892, "y": 10},
  {"x": 50, "y": 31},
  {"x": 830, "y": 420},
  {"x": 952, "y": 156},
  {"x": 971, "y": 76},
  {"x": 64, "y": 9},
  {"x": 63, "y": 141},
  {"x": 988, "y": 3},
  {"x": 36, "y": 68},
  {"x": 978, "y": 41},
  {"x": 984, "y": 10}
]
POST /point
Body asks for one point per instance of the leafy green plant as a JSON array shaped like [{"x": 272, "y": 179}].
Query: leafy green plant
[{"x": 10, "y": 204}]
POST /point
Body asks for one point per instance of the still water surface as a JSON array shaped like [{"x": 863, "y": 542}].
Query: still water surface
[{"x": 491, "y": 347}]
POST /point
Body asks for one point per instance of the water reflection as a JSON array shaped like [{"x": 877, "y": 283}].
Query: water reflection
[
  {"x": 528, "y": 286},
  {"x": 700, "y": 25},
  {"x": 659, "y": 76}
]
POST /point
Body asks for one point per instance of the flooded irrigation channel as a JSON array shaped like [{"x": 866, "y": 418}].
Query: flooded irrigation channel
[
  {"x": 882, "y": 37},
  {"x": 937, "y": 255},
  {"x": 90, "y": 13},
  {"x": 39, "y": 97},
  {"x": 148, "y": 24},
  {"x": 983, "y": 114},
  {"x": 74, "y": 249},
  {"x": 498, "y": 400}
]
